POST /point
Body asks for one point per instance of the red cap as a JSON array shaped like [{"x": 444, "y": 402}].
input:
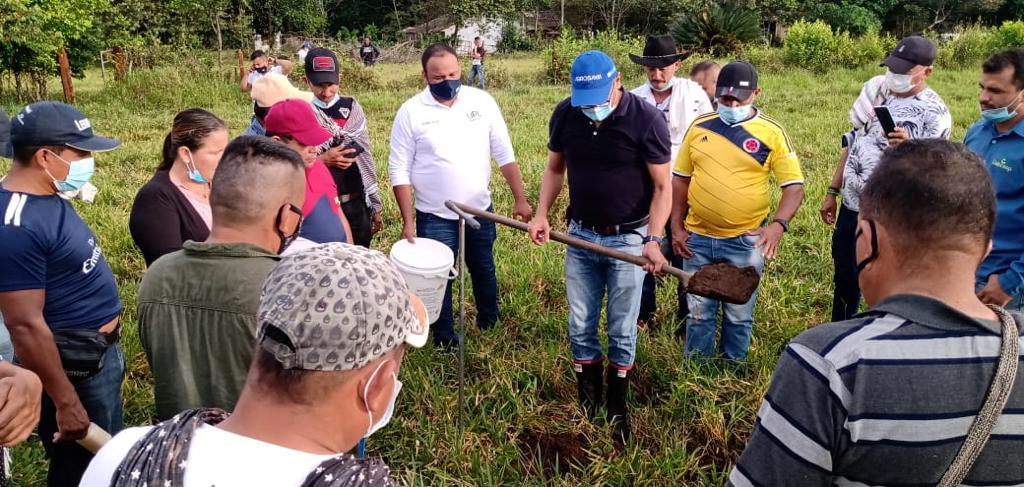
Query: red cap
[{"x": 295, "y": 117}]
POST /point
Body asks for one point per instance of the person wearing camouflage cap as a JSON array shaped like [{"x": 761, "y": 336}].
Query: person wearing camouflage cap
[{"x": 335, "y": 321}]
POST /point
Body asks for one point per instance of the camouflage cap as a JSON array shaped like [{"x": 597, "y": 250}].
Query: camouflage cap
[{"x": 337, "y": 307}]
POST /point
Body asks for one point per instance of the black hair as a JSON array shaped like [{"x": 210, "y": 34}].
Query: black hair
[
  {"x": 190, "y": 128},
  {"x": 932, "y": 195},
  {"x": 237, "y": 195},
  {"x": 701, "y": 67},
  {"x": 1010, "y": 58},
  {"x": 299, "y": 386},
  {"x": 257, "y": 54},
  {"x": 435, "y": 50}
]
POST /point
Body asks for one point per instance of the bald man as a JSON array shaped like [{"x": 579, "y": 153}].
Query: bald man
[{"x": 199, "y": 352}]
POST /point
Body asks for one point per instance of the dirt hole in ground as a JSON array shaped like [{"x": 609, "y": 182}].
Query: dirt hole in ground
[{"x": 558, "y": 453}]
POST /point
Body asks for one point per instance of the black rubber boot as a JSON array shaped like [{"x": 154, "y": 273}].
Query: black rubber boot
[
  {"x": 589, "y": 387},
  {"x": 618, "y": 415}
]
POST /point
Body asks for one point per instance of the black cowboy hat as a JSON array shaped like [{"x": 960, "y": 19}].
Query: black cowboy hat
[{"x": 659, "y": 51}]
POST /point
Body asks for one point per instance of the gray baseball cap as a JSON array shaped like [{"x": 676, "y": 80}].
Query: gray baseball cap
[{"x": 337, "y": 307}]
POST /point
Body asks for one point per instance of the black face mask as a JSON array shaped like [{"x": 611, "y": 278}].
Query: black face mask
[
  {"x": 874, "y": 246},
  {"x": 261, "y": 70},
  {"x": 287, "y": 240}
]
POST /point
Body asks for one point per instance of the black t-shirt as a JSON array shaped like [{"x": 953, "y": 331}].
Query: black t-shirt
[{"x": 609, "y": 182}]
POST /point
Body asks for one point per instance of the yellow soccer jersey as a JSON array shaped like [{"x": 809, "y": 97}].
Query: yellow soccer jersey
[{"x": 728, "y": 167}]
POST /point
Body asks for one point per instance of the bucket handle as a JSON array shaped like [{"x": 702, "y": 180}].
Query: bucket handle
[{"x": 453, "y": 273}]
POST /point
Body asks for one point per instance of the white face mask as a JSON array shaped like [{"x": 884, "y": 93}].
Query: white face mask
[
  {"x": 899, "y": 83},
  {"x": 375, "y": 427},
  {"x": 668, "y": 85}
]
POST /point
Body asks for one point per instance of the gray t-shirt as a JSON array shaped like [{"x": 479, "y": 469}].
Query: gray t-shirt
[{"x": 923, "y": 116}]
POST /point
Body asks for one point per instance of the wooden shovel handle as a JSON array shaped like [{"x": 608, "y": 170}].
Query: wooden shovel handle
[{"x": 576, "y": 242}]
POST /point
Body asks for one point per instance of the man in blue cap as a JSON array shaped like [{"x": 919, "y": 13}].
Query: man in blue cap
[
  {"x": 57, "y": 293},
  {"x": 615, "y": 148}
]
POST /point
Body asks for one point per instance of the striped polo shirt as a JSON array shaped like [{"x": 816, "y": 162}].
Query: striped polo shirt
[{"x": 885, "y": 399}]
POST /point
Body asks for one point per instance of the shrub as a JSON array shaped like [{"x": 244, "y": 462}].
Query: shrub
[
  {"x": 513, "y": 39},
  {"x": 846, "y": 17},
  {"x": 811, "y": 45},
  {"x": 969, "y": 47},
  {"x": 764, "y": 57},
  {"x": 718, "y": 29},
  {"x": 559, "y": 56},
  {"x": 814, "y": 46},
  {"x": 1008, "y": 35}
]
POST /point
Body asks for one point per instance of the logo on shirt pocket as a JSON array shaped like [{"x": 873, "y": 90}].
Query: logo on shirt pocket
[{"x": 474, "y": 115}]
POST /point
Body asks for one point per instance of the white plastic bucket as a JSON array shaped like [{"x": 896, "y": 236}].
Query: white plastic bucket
[{"x": 427, "y": 266}]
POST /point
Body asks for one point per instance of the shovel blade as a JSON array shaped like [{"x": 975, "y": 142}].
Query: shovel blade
[{"x": 725, "y": 282}]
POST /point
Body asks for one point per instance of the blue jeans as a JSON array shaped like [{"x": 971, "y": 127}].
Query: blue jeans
[
  {"x": 588, "y": 277},
  {"x": 738, "y": 319},
  {"x": 477, "y": 71},
  {"x": 101, "y": 398},
  {"x": 479, "y": 262}
]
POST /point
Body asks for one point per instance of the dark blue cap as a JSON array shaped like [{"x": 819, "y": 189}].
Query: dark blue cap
[
  {"x": 5, "y": 135},
  {"x": 54, "y": 123},
  {"x": 593, "y": 74}
]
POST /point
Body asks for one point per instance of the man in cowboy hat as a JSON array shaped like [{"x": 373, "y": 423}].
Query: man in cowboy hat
[{"x": 681, "y": 101}]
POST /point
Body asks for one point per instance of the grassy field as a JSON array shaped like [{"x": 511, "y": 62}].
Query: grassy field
[{"x": 523, "y": 427}]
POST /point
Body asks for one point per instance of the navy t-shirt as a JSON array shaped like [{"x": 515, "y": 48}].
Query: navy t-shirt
[
  {"x": 44, "y": 244},
  {"x": 609, "y": 181}
]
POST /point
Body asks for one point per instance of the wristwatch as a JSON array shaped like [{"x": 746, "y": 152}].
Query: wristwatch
[
  {"x": 834, "y": 191},
  {"x": 653, "y": 238},
  {"x": 783, "y": 222}
]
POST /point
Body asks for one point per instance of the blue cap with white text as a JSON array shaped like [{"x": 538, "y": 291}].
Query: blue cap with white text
[{"x": 593, "y": 73}]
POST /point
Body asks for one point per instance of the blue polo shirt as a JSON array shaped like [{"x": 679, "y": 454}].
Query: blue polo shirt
[
  {"x": 44, "y": 244},
  {"x": 1004, "y": 156}
]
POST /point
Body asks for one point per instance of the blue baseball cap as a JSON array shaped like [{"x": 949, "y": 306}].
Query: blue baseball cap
[
  {"x": 55, "y": 123},
  {"x": 593, "y": 74}
]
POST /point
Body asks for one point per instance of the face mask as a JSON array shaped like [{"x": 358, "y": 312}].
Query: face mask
[
  {"x": 668, "y": 85},
  {"x": 899, "y": 83},
  {"x": 79, "y": 174},
  {"x": 193, "y": 171},
  {"x": 1000, "y": 115},
  {"x": 386, "y": 418},
  {"x": 287, "y": 240},
  {"x": 874, "y": 247},
  {"x": 734, "y": 115},
  {"x": 446, "y": 90},
  {"x": 599, "y": 112},
  {"x": 261, "y": 70},
  {"x": 325, "y": 105}
]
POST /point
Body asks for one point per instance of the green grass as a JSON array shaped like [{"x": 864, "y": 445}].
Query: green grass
[{"x": 690, "y": 420}]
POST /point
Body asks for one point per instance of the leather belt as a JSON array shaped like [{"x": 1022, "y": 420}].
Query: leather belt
[
  {"x": 345, "y": 198},
  {"x": 610, "y": 230}
]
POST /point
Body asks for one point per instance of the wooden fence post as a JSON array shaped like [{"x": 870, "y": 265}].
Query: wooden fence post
[
  {"x": 120, "y": 64},
  {"x": 241, "y": 65},
  {"x": 65, "y": 76}
]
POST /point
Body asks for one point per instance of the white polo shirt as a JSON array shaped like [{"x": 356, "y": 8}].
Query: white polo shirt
[{"x": 445, "y": 153}]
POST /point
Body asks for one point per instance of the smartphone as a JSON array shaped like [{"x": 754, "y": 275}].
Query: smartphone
[
  {"x": 885, "y": 118},
  {"x": 352, "y": 145}
]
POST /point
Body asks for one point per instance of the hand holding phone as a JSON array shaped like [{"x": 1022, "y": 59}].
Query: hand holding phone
[{"x": 353, "y": 145}]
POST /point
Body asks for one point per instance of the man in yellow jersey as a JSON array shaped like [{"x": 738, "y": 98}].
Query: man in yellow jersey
[{"x": 721, "y": 203}]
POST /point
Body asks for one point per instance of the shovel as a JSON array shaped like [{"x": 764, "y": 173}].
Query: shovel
[{"x": 722, "y": 282}]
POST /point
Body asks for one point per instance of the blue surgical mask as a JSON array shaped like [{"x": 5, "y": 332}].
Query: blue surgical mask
[
  {"x": 80, "y": 173},
  {"x": 668, "y": 85},
  {"x": 446, "y": 90},
  {"x": 600, "y": 112},
  {"x": 899, "y": 83},
  {"x": 193, "y": 171},
  {"x": 1000, "y": 115},
  {"x": 325, "y": 105},
  {"x": 734, "y": 115}
]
